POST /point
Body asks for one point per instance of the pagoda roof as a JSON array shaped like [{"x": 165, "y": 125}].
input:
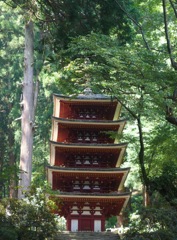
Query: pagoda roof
[
  {"x": 94, "y": 195},
  {"x": 113, "y": 172},
  {"x": 89, "y": 170},
  {"x": 87, "y": 94},
  {"x": 112, "y": 195},
  {"x": 90, "y": 122},
  {"x": 101, "y": 146}
]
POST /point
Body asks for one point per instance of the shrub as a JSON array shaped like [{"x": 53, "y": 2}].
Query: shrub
[
  {"x": 27, "y": 219},
  {"x": 153, "y": 224}
]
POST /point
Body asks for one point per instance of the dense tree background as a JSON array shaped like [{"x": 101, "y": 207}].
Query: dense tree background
[{"x": 121, "y": 48}]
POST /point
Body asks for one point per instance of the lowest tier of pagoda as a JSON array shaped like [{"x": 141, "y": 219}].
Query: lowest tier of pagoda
[{"x": 85, "y": 160}]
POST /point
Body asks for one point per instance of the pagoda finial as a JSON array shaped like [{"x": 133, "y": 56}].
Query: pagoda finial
[
  {"x": 87, "y": 75},
  {"x": 88, "y": 91}
]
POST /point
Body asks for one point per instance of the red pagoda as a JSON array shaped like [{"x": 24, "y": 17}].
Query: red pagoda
[{"x": 85, "y": 161}]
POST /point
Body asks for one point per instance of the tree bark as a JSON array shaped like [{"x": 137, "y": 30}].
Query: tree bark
[{"x": 27, "y": 120}]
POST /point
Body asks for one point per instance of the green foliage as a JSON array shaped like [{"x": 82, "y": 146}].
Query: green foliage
[
  {"x": 30, "y": 218},
  {"x": 153, "y": 223},
  {"x": 11, "y": 58},
  {"x": 161, "y": 142},
  {"x": 111, "y": 222},
  {"x": 140, "y": 77},
  {"x": 136, "y": 202},
  {"x": 166, "y": 183},
  {"x": 65, "y": 19}
]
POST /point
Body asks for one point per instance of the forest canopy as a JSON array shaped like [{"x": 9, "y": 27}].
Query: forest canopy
[{"x": 125, "y": 49}]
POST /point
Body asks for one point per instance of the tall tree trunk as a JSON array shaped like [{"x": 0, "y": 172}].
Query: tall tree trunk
[
  {"x": 27, "y": 120},
  {"x": 145, "y": 180}
]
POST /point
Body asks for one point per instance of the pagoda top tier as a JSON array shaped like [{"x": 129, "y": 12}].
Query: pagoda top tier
[{"x": 87, "y": 106}]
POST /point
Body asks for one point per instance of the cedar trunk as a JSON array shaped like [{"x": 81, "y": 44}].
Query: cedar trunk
[{"x": 27, "y": 120}]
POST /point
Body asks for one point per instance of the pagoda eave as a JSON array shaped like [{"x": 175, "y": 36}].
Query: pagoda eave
[
  {"x": 80, "y": 98},
  {"x": 91, "y": 145},
  {"x": 90, "y": 170},
  {"x": 92, "y": 196},
  {"x": 85, "y": 121}
]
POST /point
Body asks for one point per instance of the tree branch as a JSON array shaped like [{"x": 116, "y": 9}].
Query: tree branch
[
  {"x": 17, "y": 119},
  {"x": 136, "y": 23},
  {"x": 173, "y": 63},
  {"x": 173, "y": 6},
  {"x": 128, "y": 109}
]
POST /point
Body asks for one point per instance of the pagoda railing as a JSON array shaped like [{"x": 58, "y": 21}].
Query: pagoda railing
[
  {"x": 83, "y": 185},
  {"x": 86, "y": 140},
  {"x": 88, "y": 190},
  {"x": 88, "y": 113},
  {"x": 88, "y": 136},
  {"x": 102, "y": 164},
  {"x": 88, "y": 160}
]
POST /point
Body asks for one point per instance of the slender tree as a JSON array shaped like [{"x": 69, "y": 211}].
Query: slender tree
[{"x": 27, "y": 117}]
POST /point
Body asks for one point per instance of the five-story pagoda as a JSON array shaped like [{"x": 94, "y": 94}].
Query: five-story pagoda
[{"x": 85, "y": 161}]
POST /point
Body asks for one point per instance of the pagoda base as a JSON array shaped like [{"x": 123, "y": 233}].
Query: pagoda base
[{"x": 92, "y": 223}]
